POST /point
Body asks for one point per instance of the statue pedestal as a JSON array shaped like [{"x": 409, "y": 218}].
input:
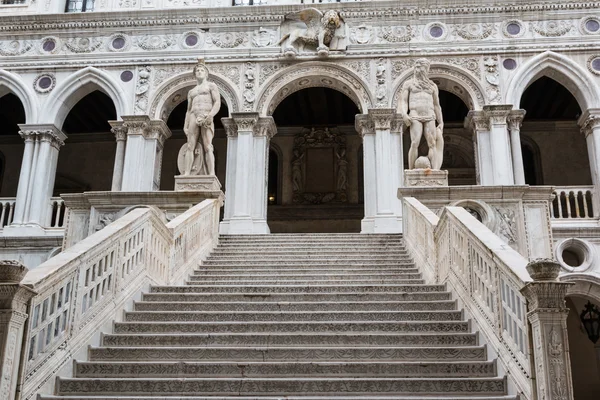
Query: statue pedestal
[
  {"x": 425, "y": 177},
  {"x": 197, "y": 183}
]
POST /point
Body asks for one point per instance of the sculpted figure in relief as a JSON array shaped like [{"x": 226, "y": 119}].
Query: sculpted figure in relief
[
  {"x": 196, "y": 157},
  {"x": 319, "y": 31},
  {"x": 420, "y": 109}
]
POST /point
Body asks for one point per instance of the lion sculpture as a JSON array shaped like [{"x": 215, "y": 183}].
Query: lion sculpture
[{"x": 319, "y": 31}]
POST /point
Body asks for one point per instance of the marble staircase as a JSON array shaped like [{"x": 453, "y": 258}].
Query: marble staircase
[{"x": 293, "y": 316}]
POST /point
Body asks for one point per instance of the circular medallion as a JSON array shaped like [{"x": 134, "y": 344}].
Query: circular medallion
[
  {"x": 44, "y": 83},
  {"x": 509, "y": 64},
  {"x": 126, "y": 76}
]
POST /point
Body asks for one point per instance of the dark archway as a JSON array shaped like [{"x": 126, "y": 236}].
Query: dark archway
[
  {"x": 552, "y": 133},
  {"x": 86, "y": 161},
  {"x": 319, "y": 149},
  {"x": 175, "y": 122},
  {"x": 12, "y": 113},
  {"x": 274, "y": 178}
]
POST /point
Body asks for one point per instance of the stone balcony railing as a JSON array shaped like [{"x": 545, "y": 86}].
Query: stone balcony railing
[
  {"x": 573, "y": 202},
  {"x": 56, "y": 212}
]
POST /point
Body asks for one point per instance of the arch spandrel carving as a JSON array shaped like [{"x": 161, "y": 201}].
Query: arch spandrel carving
[
  {"x": 313, "y": 74},
  {"x": 574, "y": 77},
  {"x": 451, "y": 78},
  {"x": 174, "y": 91}
]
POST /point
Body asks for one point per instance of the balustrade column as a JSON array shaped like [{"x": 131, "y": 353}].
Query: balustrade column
[
  {"x": 515, "y": 118},
  {"x": 248, "y": 137},
  {"x": 383, "y": 170},
  {"x": 120, "y": 133},
  {"x": 590, "y": 127},
  {"x": 502, "y": 165},
  {"x": 14, "y": 298},
  {"x": 480, "y": 124},
  {"x": 143, "y": 153},
  {"x": 36, "y": 180},
  {"x": 548, "y": 318}
]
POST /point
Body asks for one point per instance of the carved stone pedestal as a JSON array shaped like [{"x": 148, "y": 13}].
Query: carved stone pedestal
[
  {"x": 425, "y": 177},
  {"x": 197, "y": 183}
]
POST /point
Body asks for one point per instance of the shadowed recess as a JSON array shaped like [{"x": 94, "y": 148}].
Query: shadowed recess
[
  {"x": 11, "y": 114},
  {"x": 546, "y": 99},
  {"x": 453, "y": 108},
  {"x": 177, "y": 117},
  {"x": 91, "y": 114},
  {"x": 316, "y": 106}
]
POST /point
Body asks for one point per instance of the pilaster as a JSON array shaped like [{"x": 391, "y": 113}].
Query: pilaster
[
  {"x": 383, "y": 169},
  {"x": 248, "y": 137},
  {"x": 548, "y": 318},
  {"x": 480, "y": 123},
  {"x": 514, "y": 120},
  {"x": 502, "y": 165},
  {"x": 143, "y": 153},
  {"x": 14, "y": 299},
  {"x": 36, "y": 180}
]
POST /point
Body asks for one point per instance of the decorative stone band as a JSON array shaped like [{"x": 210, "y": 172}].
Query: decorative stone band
[
  {"x": 144, "y": 126},
  {"x": 515, "y": 119},
  {"x": 43, "y": 133},
  {"x": 249, "y": 122},
  {"x": 589, "y": 120},
  {"x": 119, "y": 130}
]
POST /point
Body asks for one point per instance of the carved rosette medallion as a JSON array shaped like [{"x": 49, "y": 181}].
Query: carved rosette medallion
[
  {"x": 397, "y": 34},
  {"x": 475, "y": 31},
  {"x": 15, "y": 47},
  {"x": 155, "y": 42},
  {"x": 227, "y": 40},
  {"x": 551, "y": 28}
]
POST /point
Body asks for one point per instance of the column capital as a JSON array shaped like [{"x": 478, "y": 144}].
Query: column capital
[
  {"x": 477, "y": 120},
  {"x": 265, "y": 127},
  {"x": 142, "y": 125},
  {"x": 382, "y": 118},
  {"x": 158, "y": 129},
  {"x": 118, "y": 129},
  {"x": 515, "y": 119},
  {"x": 249, "y": 122},
  {"x": 545, "y": 292},
  {"x": 44, "y": 133},
  {"x": 364, "y": 125},
  {"x": 589, "y": 120},
  {"x": 497, "y": 113}
]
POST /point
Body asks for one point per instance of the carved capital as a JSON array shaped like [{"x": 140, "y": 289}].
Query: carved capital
[
  {"x": 382, "y": 118},
  {"x": 230, "y": 127},
  {"x": 265, "y": 127},
  {"x": 119, "y": 130},
  {"x": 515, "y": 119},
  {"x": 158, "y": 129},
  {"x": 364, "y": 125},
  {"x": 43, "y": 133},
  {"x": 245, "y": 121},
  {"x": 589, "y": 120},
  {"x": 136, "y": 124},
  {"x": 478, "y": 121},
  {"x": 497, "y": 114}
]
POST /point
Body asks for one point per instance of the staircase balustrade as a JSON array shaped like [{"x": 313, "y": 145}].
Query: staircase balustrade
[
  {"x": 573, "y": 202},
  {"x": 88, "y": 285},
  {"x": 486, "y": 274}
]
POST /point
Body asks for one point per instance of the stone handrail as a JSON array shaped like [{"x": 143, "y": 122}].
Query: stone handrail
[
  {"x": 7, "y": 210},
  {"x": 84, "y": 288},
  {"x": 573, "y": 202},
  {"x": 484, "y": 272}
]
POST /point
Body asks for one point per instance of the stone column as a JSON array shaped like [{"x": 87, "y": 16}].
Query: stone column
[
  {"x": 515, "y": 118},
  {"x": 590, "y": 127},
  {"x": 480, "y": 124},
  {"x": 36, "y": 181},
  {"x": 383, "y": 169},
  {"x": 120, "y": 132},
  {"x": 502, "y": 166},
  {"x": 143, "y": 153},
  {"x": 248, "y": 137},
  {"x": 14, "y": 299},
  {"x": 548, "y": 318}
]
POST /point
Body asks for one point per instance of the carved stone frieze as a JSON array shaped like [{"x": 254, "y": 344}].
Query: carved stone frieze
[
  {"x": 362, "y": 34},
  {"x": 15, "y": 47},
  {"x": 83, "y": 44},
  {"x": 249, "y": 90},
  {"x": 551, "y": 28},
  {"x": 475, "y": 31},
  {"x": 471, "y": 64},
  {"x": 380, "y": 77},
  {"x": 506, "y": 224},
  {"x": 397, "y": 34},
  {"x": 264, "y": 37},
  {"x": 492, "y": 78},
  {"x": 155, "y": 42},
  {"x": 227, "y": 40},
  {"x": 141, "y": 89}
]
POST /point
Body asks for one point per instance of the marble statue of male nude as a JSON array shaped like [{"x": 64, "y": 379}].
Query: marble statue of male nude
[
  {"x": 420, "y": 109},
  {"x": 204, "y": 102}
]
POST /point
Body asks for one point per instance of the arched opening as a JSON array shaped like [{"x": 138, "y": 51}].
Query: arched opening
[
  {"x": 175, "y": 122},
  {"x": 86, "y": 161},
  {"x": 12, "y": 113},
  {"x": 459, "y": 153},
  {"x": 584, "y": 354},
  {"x": 274, "y": 175},
  {"x": 550, "y": 125},
  {"x": 319, "y": 150}
]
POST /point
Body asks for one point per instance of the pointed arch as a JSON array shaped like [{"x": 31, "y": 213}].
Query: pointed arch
[
  {"x": 77, "y": 86},
  {"x": 12, "y": 83},
  {"x": 560, "y": 68}
]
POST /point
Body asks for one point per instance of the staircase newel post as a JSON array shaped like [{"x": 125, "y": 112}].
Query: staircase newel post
[
  {"x": 548, "y": 318},
  {"x": 14, "y": 300}
]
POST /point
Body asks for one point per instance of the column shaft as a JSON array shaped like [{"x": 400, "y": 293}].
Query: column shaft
[
  {"x": 500, "y": 144},
  {"x": 24, "y": 178},
  {"x": 515, "y": 119},
  {"x": 120, "y": 133}
]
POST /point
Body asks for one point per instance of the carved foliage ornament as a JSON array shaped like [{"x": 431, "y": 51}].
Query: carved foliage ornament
[
  {"x": 227, "y": 40},
  {"x": 263, "y": 37},
  {"x": 397, "y": 34},
  {"x": 141, "y": 89},
  {"x": 361, "y": 34},
  {"x": 475, "y": 31},
  {"x": 155, "y": 42},
  {"x": 83, "y": 45},
  {"x": 551, "y": 28}
]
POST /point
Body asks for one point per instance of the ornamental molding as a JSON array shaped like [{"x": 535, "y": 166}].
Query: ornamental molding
[
  {"x": 41, "y": 90},
  {"x": 475, "y": 31},
  {"x": 155, "y": 42},
  {"x": 83, "y": 44},
  {"x": 551, "y": 28},
  {"x": 15, "y": 48},
  {"x": 397, "y": 34}
]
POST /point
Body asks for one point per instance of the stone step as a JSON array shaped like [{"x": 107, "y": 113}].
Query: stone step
[
  {"x": 296, "y": 306},
  {"x": 324, "y": 275},
  {"x": 299, "y": 257},
  {"x": 200, "y": 280},
  {"x": 294, "y": 327},
  {"x": 267, "y": 397},
  {"x": 286, "y": 250},
  {"x": 272, "y": 353},
  {"x": 398, "y": 369},
  {"x": 358, "y": 246},
  {"x": 366, "y": 339},
  {"x": 315, "y": 288},
  {"x": 204, "y": 270},
  {"x": 296, "y": 297},
  {"x": 282, "y": 386},
  {"x": 180, "y": 316},
  {"x": 294, "y": 263},
  {"x": 338, "y": 237},
  {"x": 377, "y": 265}
]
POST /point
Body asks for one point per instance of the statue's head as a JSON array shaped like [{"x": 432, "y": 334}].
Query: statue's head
[
  {"x": 422, "y": 67},
  {"x": 200, "y": 70},
  {"x": 331, "y": 18}
]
